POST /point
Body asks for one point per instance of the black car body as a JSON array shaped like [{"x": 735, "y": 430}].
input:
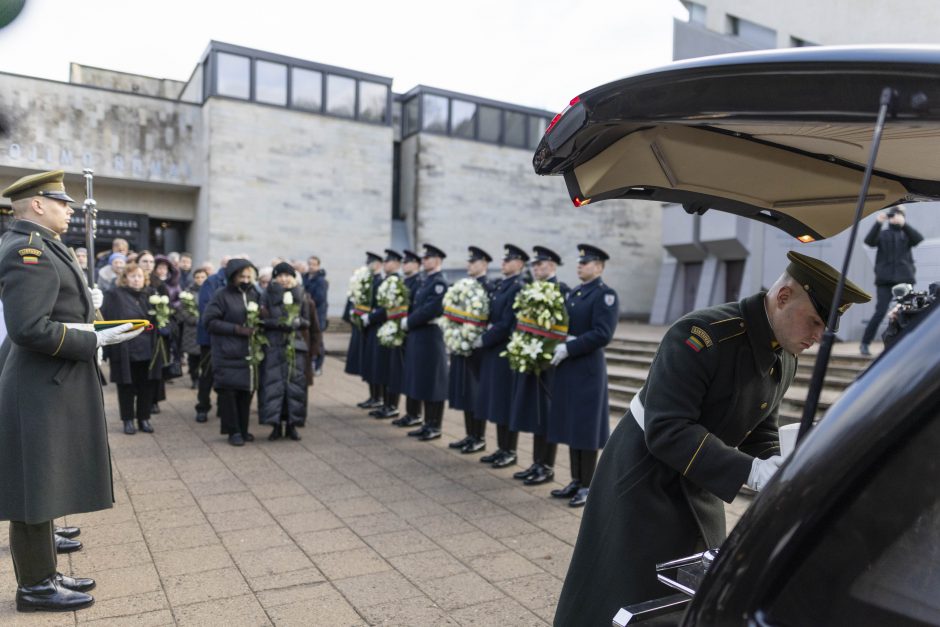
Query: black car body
[{"x": 848, "y": 532}]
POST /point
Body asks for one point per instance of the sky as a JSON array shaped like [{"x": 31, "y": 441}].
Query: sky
[{"x": 534, "y": 53}]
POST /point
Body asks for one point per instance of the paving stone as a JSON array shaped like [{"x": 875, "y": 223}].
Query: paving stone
[
  {"x": 417, "y": 508},
  {"x": 533, "y": 591},
  {"x": 461, "y": 590},
  {"x": 128, "y": 608},
  {"x": 243, "y": 611},
  {"x": 295, "y": 594},
  {"x": 451, "y": 493},
  {"x": 505, "y": 565},
  {"x": 442, "y": 524},
  {"x": 181, "y": 538},
  {"x": 159, "y": 520},
  {"x": 292, "y": 504},
  {"x": 198, "y": 587},
  {"x": 362, "y": 506},
  {"x": 400, "y": 543},
  {"x": 467, "y": 545},
  {"x": 159, "y": 618},
  {"x": 373, "y": 524},
  {"x": 471, "y": 510},
  {"x": 192, "y": 560},
  {"x": 301, "y": 522},
  {"x": 565, "y": 528},
  {"x": 154, "y": 487},
  {"x": 428, "y": 565},
  {"x": 256, "y": 516},
  {"x": 396, "y": 492},
  {"x": 228, "y": 502},
  {"x": 94, "y": 558},
  {"x": 504, "y": 525},
  {"x": 332, "y": 611},
  {"x": 342, "y": 564},
  {"x": 149, "y": 501},
  {"x": 278, "y": 489},
  {"x": 377, "y": 588},
  {"x": 255, "y": 539},
  {"x": 285, "y": 580},
  {"x": 272, "y": 561},
  {"x": 328, "y": 541},
  {"x": 209, "y": 488},
  {"x": 496, "y": 614},
  {"x": 411, "y": 611},
  {"x": 124, "y": 582}
]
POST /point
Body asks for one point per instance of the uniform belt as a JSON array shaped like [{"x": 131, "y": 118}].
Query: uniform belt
[{"x": 639, "y": 413}]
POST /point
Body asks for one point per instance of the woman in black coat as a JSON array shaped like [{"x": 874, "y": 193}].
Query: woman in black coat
[
  {"x": 226, "y": 319},
  {"x": 283, "y": 392},
  {"x": 135, "y": 365}
]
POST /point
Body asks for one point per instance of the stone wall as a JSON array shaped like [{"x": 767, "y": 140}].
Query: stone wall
[
  {"x": 291, "y": 184},
  {"x": 472, "y": 193}
]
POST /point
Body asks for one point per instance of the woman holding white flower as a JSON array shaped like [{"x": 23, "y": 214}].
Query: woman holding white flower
[
  {"x": 227, "y": 318},
  {"x": 135, "y": 365},
  {"x": 285, "y": 313}
]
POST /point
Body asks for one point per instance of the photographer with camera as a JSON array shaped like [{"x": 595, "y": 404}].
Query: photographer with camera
[{"x": 894, "y": 263}]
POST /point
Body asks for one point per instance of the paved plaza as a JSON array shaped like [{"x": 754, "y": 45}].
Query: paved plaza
[{"x": 357, "y": 524}]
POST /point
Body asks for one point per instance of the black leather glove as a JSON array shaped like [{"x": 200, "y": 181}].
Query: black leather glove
[{"x": 243, "y": 330}]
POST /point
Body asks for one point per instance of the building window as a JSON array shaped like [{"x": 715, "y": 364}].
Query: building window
[
  {"x": 411, "y": 117},
  {"x": 537, "y": 128},
  {"x": 233, "y": 75},
  {"x": 752, "y": 33},
  {"x": 373, "y": 102},
  {"x": 490, "y": 120},
  {"x": 434, "y": 113},
  {"x": 271, "y": 82},
  {"x": 514, "y": 134},
  {"x": 306, "y": 89},
  {"x": 340, "y": 96},
  {"x": 696, "y": 12},
  {"x": 462, "y": 118}
]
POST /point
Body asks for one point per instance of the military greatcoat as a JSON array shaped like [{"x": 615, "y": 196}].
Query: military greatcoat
[
  {"x": 54, "y": 457},
  {"x": 425, "y": 376},
  {"x": 580, "y": 412},
  {"x": 372, "y": 367},
  {"x": 532, "y": 393},
  {"x": 495, "y": 394},
  {"x": 709, "y": 406},
  {"x": 464, "y": 378},
  {"x": 388, "y": 361}
]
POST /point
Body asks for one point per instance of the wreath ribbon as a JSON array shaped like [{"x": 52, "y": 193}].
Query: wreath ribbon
[{"x": 556, "y": 332}]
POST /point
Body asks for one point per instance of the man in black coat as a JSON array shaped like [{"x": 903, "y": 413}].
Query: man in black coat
[
  {"x": 531, "y": 395},
  {"x": 361, "y": 342},
  {"x": 464, "y": 377},
  {"x": 894, "y": 263},
  {"x": 703, "y": 425},
  {"x": 54, "y": 457},
  {"x": 389, "y": 360},
  {"x": 204, "y": 396},
  {"x": 494, "y": 399},
  {"x": 425, "y": 377},
  {"x": 411, "y": 269},
  {"x": 580, "y": 414}
]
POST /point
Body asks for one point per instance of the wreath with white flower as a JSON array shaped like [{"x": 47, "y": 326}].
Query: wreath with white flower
[
  {"x": 360, "y": 294},
  {"x": 466, "y": 311},
  {"x": 392, "y": 296},
  {"x": 541, "y": 323}
]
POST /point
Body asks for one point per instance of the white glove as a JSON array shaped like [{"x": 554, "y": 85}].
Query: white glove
[
  {"x": 404, "y": 324},
  {"x": 477, "y": 343},
  {"x": 561, "y": 353},
  {"x": 97, "y": 297},
  {"x": 118, "y": 334},
  {"x": 761, "y": 472},
  {"x": 365, "y": 320}
]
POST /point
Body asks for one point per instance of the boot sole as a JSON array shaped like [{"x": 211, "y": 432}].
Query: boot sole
[{"x": 71, "y": 608}]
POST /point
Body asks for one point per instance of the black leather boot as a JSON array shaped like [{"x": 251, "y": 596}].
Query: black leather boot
[
  {"x": 568, "y": 491},
  {"x": 68, "y": 532},
  {"x": 292, "y": 433},
  {"x": 78, "y": 584},
  {"x": 542, "y": 474},
  {"x": 145, "y": 426},
  {"x": 50, "y": 596},
  {"x": 129, "y": 427},
  {"x": 275, "y": 433}
]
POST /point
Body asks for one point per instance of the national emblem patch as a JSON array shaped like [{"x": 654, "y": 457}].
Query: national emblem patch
[
  {"x": 438, "y": 289},
  {"x": 30, "y": 259},
  {"x": 695, "y": 343},
  {"x": 609, "y": 300}
]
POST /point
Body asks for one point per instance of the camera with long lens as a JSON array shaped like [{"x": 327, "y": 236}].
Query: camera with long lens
[{"x": 912, "y": 308}]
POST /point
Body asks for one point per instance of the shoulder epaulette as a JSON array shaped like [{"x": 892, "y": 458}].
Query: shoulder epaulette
[{"x": 728, "y": 328}]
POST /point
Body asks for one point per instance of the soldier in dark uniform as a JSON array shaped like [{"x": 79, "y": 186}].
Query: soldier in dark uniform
[
  {"x": 426, "y": 356},
  {"x": 703, "y": 425},
  {"x": 464, "y": 376},
  {"x": 411, "y": 269},
  {"x": 389, "y": 361},
  {"x": 54, "y": 457},
  {"x": 580, "y": 412},
  {"x": 357, "y": 356},
  {"x": 495, "y": 396},
  {"x": 531, "y": 395}
]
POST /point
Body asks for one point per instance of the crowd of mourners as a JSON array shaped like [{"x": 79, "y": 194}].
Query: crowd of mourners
[{"x": 236, "y": 330}]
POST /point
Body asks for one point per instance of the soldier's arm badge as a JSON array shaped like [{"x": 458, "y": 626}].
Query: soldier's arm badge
[
  {"x": 610, "y": 299},
  {"x": 438, "y": 289},
  {"x": 30, "y": 256}
]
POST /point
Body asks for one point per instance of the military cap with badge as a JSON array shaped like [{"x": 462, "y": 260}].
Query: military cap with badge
[
  {"x": 433, "y": 251},
  {"x": 476, "y": 254},
  {"x": 410, "y": 256},
  {"x": 511, "y": 251},
  {"x": 545, "y": 254},
  {"x": 372, "y": 257},
  {"x": 45, "y": 184},
  {"x": 819, "y": 280}
]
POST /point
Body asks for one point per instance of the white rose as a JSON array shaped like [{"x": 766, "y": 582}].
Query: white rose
[
  {"x": 288, "y": 298},
  {"x": 165, "y": 300},
  {"x": 252, "y": 306},
  {"x": 154, "y": 299}
]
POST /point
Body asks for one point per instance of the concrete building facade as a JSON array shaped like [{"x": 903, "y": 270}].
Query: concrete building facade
[
  {"x": 716, "y": 257},
  {"x": 266, "y": 155}
]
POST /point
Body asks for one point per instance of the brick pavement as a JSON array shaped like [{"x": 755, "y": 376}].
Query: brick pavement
[{"x": 354, "y": 525}]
